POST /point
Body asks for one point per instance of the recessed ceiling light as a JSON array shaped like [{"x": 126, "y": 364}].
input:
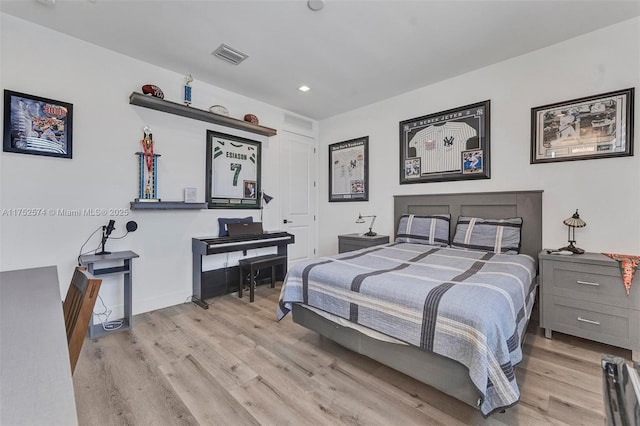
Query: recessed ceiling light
[
  {"x": 315, "y": 5},
  {"x": 304, "y": 88}
]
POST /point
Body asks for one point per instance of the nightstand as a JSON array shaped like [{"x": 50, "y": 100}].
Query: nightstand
[
  {"x": 583, "y": 295},
  {"x": 351, "y": 242}
]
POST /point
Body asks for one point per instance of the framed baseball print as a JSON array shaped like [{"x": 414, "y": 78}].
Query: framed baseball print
[
  {"x": 446, "y": 146},
  {"x": 37, "y": 126},
  {"x": 233, "y": 172},
  {"x": 599, "y": 126},
  {"x": 349, "y": 170}
]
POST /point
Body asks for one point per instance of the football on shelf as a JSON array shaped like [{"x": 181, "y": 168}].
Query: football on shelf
[
  {"x": 153, "y": 90},
  {"x": 251, "y": 118}
]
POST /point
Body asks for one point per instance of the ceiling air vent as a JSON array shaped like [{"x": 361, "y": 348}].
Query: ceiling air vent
[{"x": 230, "y": 54}]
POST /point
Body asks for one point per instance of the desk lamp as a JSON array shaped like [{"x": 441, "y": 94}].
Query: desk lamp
[
  {"x": 361, "y": 220},
  {"x": 572, "y": 223},
  {"x": 267, "y": 199}
]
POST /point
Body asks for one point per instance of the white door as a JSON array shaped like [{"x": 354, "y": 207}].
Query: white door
[{"x": 298, "y": 176}]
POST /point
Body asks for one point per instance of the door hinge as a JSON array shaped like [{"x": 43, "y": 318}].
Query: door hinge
[
  {"x": 314, "y": 251},
  {"x": 314, "y": 183},
  {"x": 314, "y": 217},
  {"x": 314, "y": 150}
]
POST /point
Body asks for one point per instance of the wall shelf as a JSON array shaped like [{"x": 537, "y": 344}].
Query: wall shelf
[
  {"x": 167, "y": 205},
  {"x": 158, "y": 104}
]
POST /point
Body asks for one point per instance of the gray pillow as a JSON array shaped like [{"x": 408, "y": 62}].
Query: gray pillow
[
  {"x": 432, "y": 230},
  {"x": 495, "y": 235}
]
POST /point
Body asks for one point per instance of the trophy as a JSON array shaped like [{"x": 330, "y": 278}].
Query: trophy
[
  {"x": 147, "y": 176},
  {"x": 187, "y": 90}
]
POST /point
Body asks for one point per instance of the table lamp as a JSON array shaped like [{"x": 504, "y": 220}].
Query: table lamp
[
  {"x": 361, "y": 220},
  {"x": 572, "y": 223}
]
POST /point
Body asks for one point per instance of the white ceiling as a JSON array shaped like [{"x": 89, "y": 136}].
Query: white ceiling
[{"x": 351, "y": 53}]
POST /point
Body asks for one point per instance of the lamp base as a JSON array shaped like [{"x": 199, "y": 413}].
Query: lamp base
[
  {"x": 573, "y": 249},
  {"x": 370, "y": 234}
]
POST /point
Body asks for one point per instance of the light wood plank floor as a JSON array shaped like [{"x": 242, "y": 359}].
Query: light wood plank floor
[{"x": 235, "y": 364}]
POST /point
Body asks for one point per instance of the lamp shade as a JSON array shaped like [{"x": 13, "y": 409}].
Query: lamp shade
[
  {"x": 359, "y": 219},
  {"x": 267, "y": 198},
  {"x": 575, "y": 221}
]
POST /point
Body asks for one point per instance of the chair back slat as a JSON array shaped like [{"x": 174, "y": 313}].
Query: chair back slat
[{"x": 78, "y": 310}]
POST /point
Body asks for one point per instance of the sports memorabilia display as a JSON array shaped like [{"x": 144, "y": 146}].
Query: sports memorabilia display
[
  {"x": 597, "y": 126},
  {"x": 349, "y": 170},
  {"x": 147, "y": 169},
  {"x": 187, "y": 90},
  {"x": 233, "y": 171},
  {"x": 153, "y": 90},
  {"x": 219, "y": 109},
  {"x": 448, "y": 145},
  {"x": 38, "y": 126},
  {"x": 251, "y": 118}
]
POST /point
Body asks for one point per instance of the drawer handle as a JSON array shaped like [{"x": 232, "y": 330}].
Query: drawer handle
[
  {"x": 588, "y": 283},
  {"x": 589, "y": 321}
]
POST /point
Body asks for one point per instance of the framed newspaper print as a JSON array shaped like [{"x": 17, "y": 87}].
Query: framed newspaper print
[
  {"x": 349, "y": 170},
  {"x": 37, "y": 126},
  {"x": 446, "y": 146},
  {"x": 232, "y": 172},
  {"x": 599, "y": 126}
]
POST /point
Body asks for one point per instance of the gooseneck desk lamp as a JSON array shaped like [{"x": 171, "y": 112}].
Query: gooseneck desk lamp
[
  {"x": 361, "y": 220},
  {"x": 267, "y": 199}
]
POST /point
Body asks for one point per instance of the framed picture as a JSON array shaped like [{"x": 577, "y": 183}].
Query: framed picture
[
  {"x": 37, "y": 126},
  {"x": 233, "y": 172},
  {"x": 349, "y": 170},
  {"x": 599, "y": 126},
  {"x": 446, "y": 146}
]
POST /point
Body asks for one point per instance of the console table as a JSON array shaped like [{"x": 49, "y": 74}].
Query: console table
[
  {"x": 35, "y": 379},
  {"x": 96, "y": 330}
]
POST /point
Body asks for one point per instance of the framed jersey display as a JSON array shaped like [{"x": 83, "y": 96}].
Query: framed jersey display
[
  {"x": 446, "y": 146},
  {"x": 233, "y": 172},
  {"x": 349, "y": 170},
  {"x": 599, "y": 126}
]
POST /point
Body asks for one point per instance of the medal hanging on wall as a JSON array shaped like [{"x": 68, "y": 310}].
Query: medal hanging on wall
[{"x": 148, "y": 161}]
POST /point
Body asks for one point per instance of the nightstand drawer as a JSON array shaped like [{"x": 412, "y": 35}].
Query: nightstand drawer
[
  {"x": 592, "y": 283},
  {"x": 602, "y": 323}
]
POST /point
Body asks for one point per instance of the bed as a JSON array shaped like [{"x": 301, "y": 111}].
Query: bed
[{"x": 413, "y": 312}]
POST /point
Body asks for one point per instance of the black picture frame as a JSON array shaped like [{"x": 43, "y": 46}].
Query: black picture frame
[
  {"x": 37, "y": 126},
  {"x": 449, "y": 145},
  {"x": 349, "y": 170},
  {"x": 599, "y": 126},
  {"x": 233, "y": 172}
]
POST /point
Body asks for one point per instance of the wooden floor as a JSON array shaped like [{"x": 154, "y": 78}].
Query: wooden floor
[{"x": 235, "y": 364}]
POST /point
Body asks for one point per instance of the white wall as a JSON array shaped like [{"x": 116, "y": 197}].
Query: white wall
[
  {"x": 607, "y": 191},
  {"x": 103, "y": 171}
]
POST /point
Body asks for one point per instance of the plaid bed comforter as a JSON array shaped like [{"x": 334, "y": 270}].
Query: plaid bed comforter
[{"x": 469, "y": 306}]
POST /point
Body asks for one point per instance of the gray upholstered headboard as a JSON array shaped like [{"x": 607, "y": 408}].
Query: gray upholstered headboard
[{"x": 488, "y": 205}]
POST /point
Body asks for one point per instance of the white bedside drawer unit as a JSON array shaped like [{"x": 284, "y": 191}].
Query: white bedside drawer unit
[{"x": 583, "y": 295}]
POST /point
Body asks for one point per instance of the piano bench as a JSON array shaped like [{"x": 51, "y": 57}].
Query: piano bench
[{"x": 254, "y": 264}]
